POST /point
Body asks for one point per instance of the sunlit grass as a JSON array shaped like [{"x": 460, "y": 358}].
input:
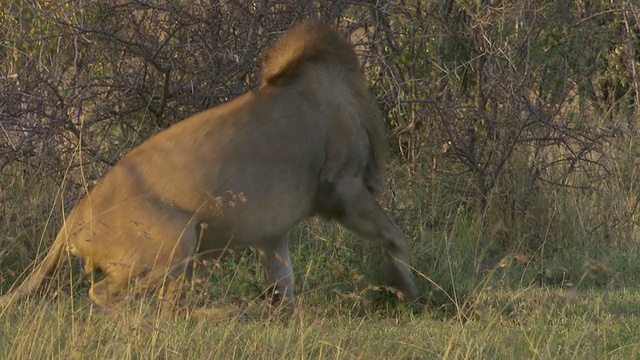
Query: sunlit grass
[
  {"x": 342, "y": 314},
  {"x": 531, "y": 322},
  {"x": 487, "y": 294}
]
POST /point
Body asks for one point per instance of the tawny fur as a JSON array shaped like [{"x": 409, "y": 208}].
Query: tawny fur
[{"x": 310, "y": 141}]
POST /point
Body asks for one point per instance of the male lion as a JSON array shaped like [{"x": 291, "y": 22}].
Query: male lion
[{"x": 309, "y": 142}]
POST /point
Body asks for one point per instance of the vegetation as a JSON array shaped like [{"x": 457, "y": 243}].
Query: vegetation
[{"x": 513, "y": 127}]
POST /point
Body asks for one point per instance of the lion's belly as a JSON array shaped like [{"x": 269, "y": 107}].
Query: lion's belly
[{"x": 255, "y": 222}]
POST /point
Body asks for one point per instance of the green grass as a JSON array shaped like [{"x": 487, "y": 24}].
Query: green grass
[
  {"x": 527, "y": 323},
  {"x": 513, "y": 310},
  {"x": 488, "y": 294}
]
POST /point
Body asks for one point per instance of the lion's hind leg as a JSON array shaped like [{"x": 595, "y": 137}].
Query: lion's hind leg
[{"x": 108, "y": 291}]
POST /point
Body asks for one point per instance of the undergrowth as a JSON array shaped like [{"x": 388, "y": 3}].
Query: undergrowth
[{"x": 480, "y": 298}]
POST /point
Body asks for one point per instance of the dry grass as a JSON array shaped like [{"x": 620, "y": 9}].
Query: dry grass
[
  {"x": 527, "y": 323},
  {"x": 514, "y": 309},
  {"x": 482, "y": 299}
]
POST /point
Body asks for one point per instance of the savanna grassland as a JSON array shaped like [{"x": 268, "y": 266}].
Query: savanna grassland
[{"x": 513, "y": 131}]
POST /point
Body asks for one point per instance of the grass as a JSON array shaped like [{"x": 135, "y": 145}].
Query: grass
[
  {"x": 488, "y": 294},
  {"x": 492, "y": 314},
  {"x": 528, "y": 323}
]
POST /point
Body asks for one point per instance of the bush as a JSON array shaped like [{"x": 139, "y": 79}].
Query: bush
[{"x": 514, "y": 125}]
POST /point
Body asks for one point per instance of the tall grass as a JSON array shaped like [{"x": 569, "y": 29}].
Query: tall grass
[
  {"x": 487, "y": 294},
  {"x": 516, "y": 182}
]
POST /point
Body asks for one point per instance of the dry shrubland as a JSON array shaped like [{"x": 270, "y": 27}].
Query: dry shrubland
[{"x": 514, "y": 126}]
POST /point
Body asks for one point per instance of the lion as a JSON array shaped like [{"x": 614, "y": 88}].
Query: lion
[{"x": 309, "y": 141}]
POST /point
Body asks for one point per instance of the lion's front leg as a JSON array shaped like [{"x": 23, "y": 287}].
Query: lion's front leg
[
  {"x": 364, "y": 215},
  {"x": 279, "y": 272}
]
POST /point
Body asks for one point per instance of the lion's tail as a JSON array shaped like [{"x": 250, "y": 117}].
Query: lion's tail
[{"x": 49, "y": 264}]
